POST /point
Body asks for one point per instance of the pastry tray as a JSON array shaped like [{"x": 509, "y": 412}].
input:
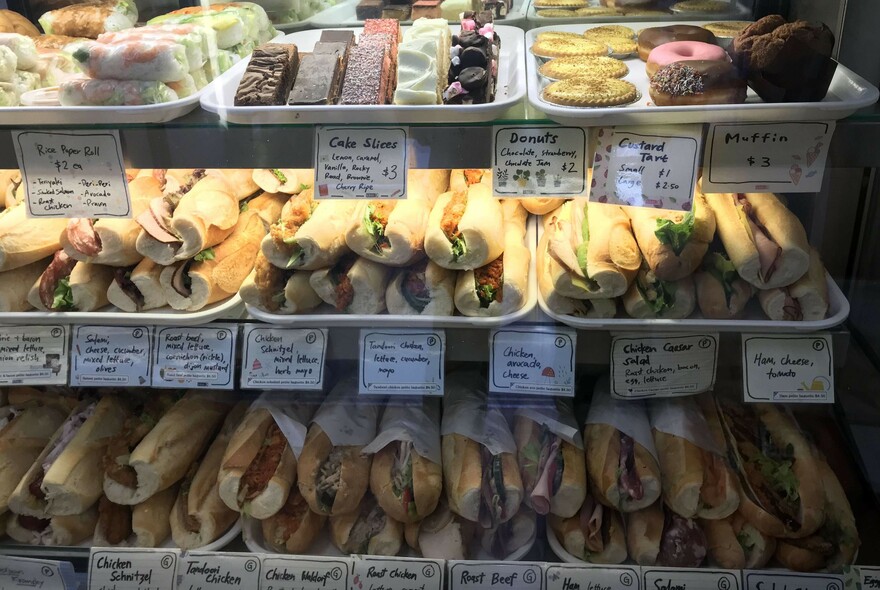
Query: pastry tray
[
  {"x": 326, "y": 316},
  {"x": 345, "y": 15},
  {"x": 535, "y": 19},
  {"x": 848, "y": 93},
  {"x": 219, "y": 96}
]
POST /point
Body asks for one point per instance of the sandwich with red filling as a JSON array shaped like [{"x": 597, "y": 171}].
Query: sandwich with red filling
[
  {"x": 67, "y": 530},
  {"x": 68, "y": 285},
  {"x": 425, "y": 288},
  {"x": 658, "y": 536},
  {"x": 804, "y": 300},
  {"x": 595, "y": 534}
]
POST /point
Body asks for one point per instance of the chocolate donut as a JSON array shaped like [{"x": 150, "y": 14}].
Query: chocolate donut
[
  {"x": 687, "y": 83},
  {"x": 653, "y": 36}
]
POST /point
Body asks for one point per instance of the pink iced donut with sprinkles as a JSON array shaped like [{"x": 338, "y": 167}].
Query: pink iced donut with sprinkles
[{"x": 668, "y": 53}]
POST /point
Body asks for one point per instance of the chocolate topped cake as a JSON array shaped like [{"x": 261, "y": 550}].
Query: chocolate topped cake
[
  {"x": 318, "y": 81},
  {"x": 473, "y": 72},
  {"x": 269, "y": 75},
  {"x": 366, "y": 9}
]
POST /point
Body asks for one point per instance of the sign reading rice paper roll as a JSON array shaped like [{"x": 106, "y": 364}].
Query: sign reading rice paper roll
[{"x": 361, "y": 162}]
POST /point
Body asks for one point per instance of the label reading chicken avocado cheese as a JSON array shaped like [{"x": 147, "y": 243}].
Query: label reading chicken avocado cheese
[
  {"x": 281, "y": 358},
  {"x": 133, "y": 569},
  {"x": 201, "y": 356},
  {"x": 675, "y": 578},
  {"x": 210, "y": 570},
  {"x": 403, "y": 362},
  {"x": 664, "y": 366},
  {"x": 788, "y": 369},
  {"x": 361, "y": 162},
  {"x": 533, "y": 361},
  {"x": 570, "y": 576},
  {"x": 306, "y": 573},
  {"x": 397, "y": 573},
  {"x": 532, "y": 161},
  {"x": 33, "y": 355},
  {"x": 764, "y": 580},
  {"x": 495, "y": 575},
  {"x": 110, "y": 356}
]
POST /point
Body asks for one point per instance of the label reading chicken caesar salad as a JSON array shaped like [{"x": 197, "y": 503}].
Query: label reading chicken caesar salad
[
  {"x": 495, "y": 575},
  {"x": 33, "y": 355},
  {"x": 764, "y": 580},
  {"x": 361, "y": 162},
  {"x": 532, "y": 161},
  {"x": 281, "y": 358},
  {"x": 570, "y": 576},
  {"x": 535, "y": 361},
  {"x": 680, "y": 578},
  {"x": 398, "y": 573},
  {"x": 663, "y": 366},
  {"x": 133, "y": 569},
  {"x": 788, "y": 369},
  {"x": 402, "y": 362},
  {"x": 200, "y": 357},
  {"x": 108, "y": 356},
  {"x": 306, "y": 573},
  {"x": 23, "y": 572},
  {"x": 211, "y": 570}
]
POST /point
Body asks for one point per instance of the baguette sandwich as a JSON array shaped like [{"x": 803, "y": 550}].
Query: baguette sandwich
[
  {"x": 15, "y": 285},
  {"x": 275, "y": 290},
  {"x": 804, "y": 300},
  {"x": 560, "y": 304},
  {"x": 52, "y": 530},
  {"x": 658, "y": 536},
  {"x": 144, "y": 525},
  {"x": 332, "y": 479},
  {"x": 465, "y": 229},
  {"x": 734, "y": 543},
  {"x": 367, "y": 530},
  {"x": 24, "y": 240},
  {"x": 294, "y": 528},
  {"x": 721, "y": 293},
  {"x": 650, "y": 297},
  {"x": 289, "y": 181},
  {"x": 425, "y": 288},
  {"x": 461, "y": 179},
  {"x": 68, "y": 285},
  {"x": 137, "y": 288},
  {"x": 505, "y": 538},
  {"x": 595, "y": 534},
  {"x": 352, "y": 285},
  {"x": 441, "y": 535}
]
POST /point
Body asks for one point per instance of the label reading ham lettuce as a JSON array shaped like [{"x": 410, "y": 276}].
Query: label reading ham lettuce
[
  {"x": 535, "y": 161},
  {"x": 200, "y": 357},
  {"x": 495, "y": 575},
  {"x": 211, "y": 570},
  {"x": 398, "y": 573},
  {"x": 23, "y": 572},
  {"x": 33, "y": 355},
  {"x": 537, "y": 361},
  {"x": 361, "y": 162},
  {"x": 74, "y": 173},
  {"x": 281, "y": 358},
  {"x": 682, "y": 578},
  {"x": 571, "y": 576},
  {"x": 764, "y": 580},
  {"x": 402, "y": 362},
  {"x": 662, "y": 366},
  {"x": 110, "y": 356},
  {"x": 133, "y": 569},
  {"x": 282, "y": 572},
  {"x": 788, "y": 369}
]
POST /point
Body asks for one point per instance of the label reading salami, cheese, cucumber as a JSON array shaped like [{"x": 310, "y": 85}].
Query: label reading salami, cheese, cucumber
[{"x": 109, "y": 356}]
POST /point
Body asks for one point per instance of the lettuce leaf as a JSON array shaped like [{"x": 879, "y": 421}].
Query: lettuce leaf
[
  {"x": 297, "y": 253},
  {"x": 206, "y": 254},
  {"x": 459, "y": 248},
  {"x": 675, "y": 235},
  {"x": 724, "y": 271},
  {"x": 664, "y": 295},
  {"x": 279, "y": 175},
  {"x": 375, "y": 229},
  {"x": 63, "y": 299},
  {"x": 486, "y": 294}
]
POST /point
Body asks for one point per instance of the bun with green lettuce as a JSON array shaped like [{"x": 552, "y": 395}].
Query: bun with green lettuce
[
  {"x": 465, "y": 229},
  {"x": 68, "y": 285},
  {"x": 721, "y": 293},
  {"x": 653, "y": 298}
]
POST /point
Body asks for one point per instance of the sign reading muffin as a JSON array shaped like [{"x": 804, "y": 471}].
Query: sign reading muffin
[
  {"x": 652, "y": 167},
  {"x": 539, "y": 161},
  {"x": 360, "y": 162}
]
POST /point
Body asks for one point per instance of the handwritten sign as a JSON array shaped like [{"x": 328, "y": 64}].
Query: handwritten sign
[
  {"x": 133, "y": 569},
  {"x": 398, "y": 573},
  {"x": 33, "y": 355},
  {"x": 495, "y": 575},
  {"x": 766, "y": 157},
  {"x": 662, "y": 366},
  {"x": 690, "y": 578},
  {"x": 299, "y": 572},
  {"x": 532, "y": 361},
  {"x": 861, "y": 577},
  {"x": 73, "y": 173},
  {"x": 361, "y": 162},
  {"x": 764, "y": 580},
  {"x": 110, "y": 356},
  {"x": 23, "y": 572},
  {"x": 571, "y": 576},
  {"x": 211, "y": 570},
  {"x": 539, "y": 161},
  {"x": 280, "y": 358},
  {"x": 402, "y": 362},
  {"x": 788, "y": 368},
  {"x": 201, "y": 356},
  {"x": 647, "y": 166}
]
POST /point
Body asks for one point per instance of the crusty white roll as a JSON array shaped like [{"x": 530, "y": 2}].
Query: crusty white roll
[
  {"x": 465, "y": 229},
  {"x": 589, "y": 308},
  {"x": 353, "y": 285},
  {"x": 721, "y": 293},
  {"x": 290, "y": 181},
  {"x": 649, "y": 297},
  {"x": 332, "y": 479},
  {"x": 461, "y": 179},
  {"x": 655, "y": 536},
  {"x": 541, "y": 205},
  {"x": 425, "y": 288},
  {"x": 84, "y": 288},
  {"x": 736, "y": 544},
  {"x": 138, "y": 289},
  {"x": 366, "y": 530},
  {"x": 15, "y": 285},
  {"x": 276, "y": 290},
  {"x": 804, "y": 300},
  {"x": 150, "y": 520},
  {"x": 595, "y": 534},
  {"x": 54, "y": 530},
  {"x": 294, "y": 528},
  {"x": 24, "y": 240}
]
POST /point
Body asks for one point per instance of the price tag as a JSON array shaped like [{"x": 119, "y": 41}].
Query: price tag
[
  {"x": 33, "y": 355},
  {"x": 495, "y": 575},
  {"x": 280, "y": 358},
  {"x": 23, "y": 572},
  {"x": 133, "y": 569},
  {"x": 110, "y": 356},
  {"x": 677, "y": 578},
  {"x": 539, "y": 161},
  {"x": 398, "y": 573},
  {"x": 202, "y": 356},
  {"x": 73, "y": 173},
  {"x": 532, "y": 361},
  {"x": 571, "y": 576},
  {"x": 361, "y": 162},
  {"x": 647, "y": 166},
  {"x": 788, "y": 369},
  {"x": 662, "y": 366},
  {"x": 212, "y": 570},
  {"x": 766, "y": 157},
  {"x": 402, "y": 362},
  {"x": 861, "y": 577},
  {"x": 281, "y": 572},
  {"x": 764, "y": 580}
]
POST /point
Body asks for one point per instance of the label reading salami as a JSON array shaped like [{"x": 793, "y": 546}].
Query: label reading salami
[
  {"x": 211, "y": 570},
  {"x": 403, "y": 362},
  {"x": 398, "y": 573},
  {"x": 672, "y": 578},
  {"x": 24, "y": 572},
  {"x": 281, "y": 358},
  {"x": 33, "y": 355},
  {"x": 788, "y": 369},
  {"x": 535, "y": 361},
  {"x": 111, "y": 356},
  {"x": 540, "y": 161},
  {"x": 495, "y": 575},
  {"x": 306, "y": 573},
  {"x": 571, "y": 576},
  {"x": 201, "y": 356},
  {"x": 133, "y": 569},
  {"x": 665, "y": 366},
  {"x": 361, "y": 162}
]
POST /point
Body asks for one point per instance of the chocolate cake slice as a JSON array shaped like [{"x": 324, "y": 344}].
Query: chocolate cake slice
[{"x": 269, "y": 76}]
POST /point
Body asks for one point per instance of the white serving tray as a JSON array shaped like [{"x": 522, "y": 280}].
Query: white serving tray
[
  {"x": 558, "y": 549},
  {"x": 219, "y": 96},
  {"x": 534, "y": 18},
  {"x": 110, "y": 315},
  {"x": 327, "y": 316},
  {"x": 306, "y": 23},
  {"x": 848, "y": 93},
  {"x": 345, "y": 15}
]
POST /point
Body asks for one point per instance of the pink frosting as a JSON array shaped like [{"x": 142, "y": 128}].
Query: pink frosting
[{"x": 668, "y": 53}]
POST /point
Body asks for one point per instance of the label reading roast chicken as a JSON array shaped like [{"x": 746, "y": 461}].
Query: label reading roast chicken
[
  {"x": 24, "y": 572},
  {"x": 33, "y": 355},
  {"x": 571, "y": 576},
  {"x": 110, "y": 356},
  {"x": 397, "y": 573},
  {"x": 211, "y": 570},
  {"x": 305, "y": 573},
  {"x": 663, "y": 366},
  {"x": 536, "y": 361},
  {"x": 788, "y": 369},
  {"x": 402, "y": 362},
  {"x": 677, "y": 578},
  {"x": 281, "y": 358},
  {"x": 764, "y": 580},
  {"x": 361, "y": 162},
  {"x": 197, "y": 357},
  {"x": 75, "y": 173},
  {"x": 766, "y": 157},
  {"x": 495, "y": 575},
  {"x": 531, "y": 161},
  {"x": 133, "y": 569}
]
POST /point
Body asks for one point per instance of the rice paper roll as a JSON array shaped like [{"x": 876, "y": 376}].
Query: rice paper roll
[
  {"x": 27, "y": 81},
  {"x": 8, "y": 64},
  {"x": 186, "y": 37},
  {"x": 184, "y": 87},
  {"x": 163, "y": 61},
  {"x": 87, "y": 92},
  {"x": 228, "y": 25},
  {"x": 56, "y": 66},
  {"x": 90, "y": 20},
  {"x": 9, "y": 96},
  {"x": 23, "y": 47}
]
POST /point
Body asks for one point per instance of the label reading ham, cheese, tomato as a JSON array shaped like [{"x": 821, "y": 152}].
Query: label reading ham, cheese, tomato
[{"x": 788, "y": 368}]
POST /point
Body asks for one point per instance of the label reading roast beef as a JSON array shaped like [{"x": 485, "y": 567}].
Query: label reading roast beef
[
  {"x": 361, "y": 162},
  {"x": 23, "y": 572},
  {"x": 398, "y": 573},
  {"x": 109, "y": 356},
  {"x": 211, "y": 570},
  {"x": 281, "y": 358},
  {"x": 664, "y": 366},
  {"x": 495, "y": 575},
  {"x": 198, "y": 357},
  {"x": 533, "y": 161},
  {"x": 133, "y": 569},
  {"x": 570, "y": 576},
  {"x": 33, "y": 355},
  {"x": 281, "y": 572},
  {"x": 788, "y": 369},
  {"x": 402, "y": 362},
  {"x": 764, "y": 580},
  {"x": 676, "y": 578},
  {"x": 535, "y": 361}
]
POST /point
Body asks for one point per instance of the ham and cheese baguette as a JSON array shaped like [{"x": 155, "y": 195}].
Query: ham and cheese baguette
[
  {"x": 465, "y": 229},
  {"x": 68, "y": 285},
  {"x": 138, "y": 288},
  {"x": 24, "y": 240},
  {"x": 595, "y": 534},
  {"x": 804, "y": 300}
]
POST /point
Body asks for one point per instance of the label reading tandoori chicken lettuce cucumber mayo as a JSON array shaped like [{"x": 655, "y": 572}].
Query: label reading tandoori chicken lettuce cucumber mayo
[
  {"x": 133, "y": 569},
  {"x": 535, "y": 361},
  {"x": 33, "y": 355},
  {"x": 788, "y": 369},
  {"x": 211, "y": 570},
  {"x": 109, "y": 356},
  {"x": 281, "y": 358},
  {"x": 572, "y": 576},
  {"x": 403, "y": 362}
]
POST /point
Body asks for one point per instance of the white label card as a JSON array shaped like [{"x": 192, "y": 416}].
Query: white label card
[
  {"x": 676, "y": 578},
  {"x": 652, "y": 167},
  {"x": 211, "y": 570},
  {"x": 403, "y": 362},
  {"x": 662, "y": 366},
  {"x": 33, "y": 355},
  {"x": 306, "y": 573},
  {"x": 571, "y": 576},
  {"x": 766, "y": 157},
  {"x": 73, "y": 173},
  {"x": 111, "y": 356},
  {"x": 534, "y": 361},
  {"x": 495, "y": 575},
  {"x": 539, "y": 161},
  {"x": 860, "y": 577},
  {"x": 397, "y": 573},
  {"x": 764, "y": 580},
  {"x": 24, "y": 572},
  {"x": 197, "y": 356},
  {"x": 133, "y": 569},
  {"x": 281, "y": 358},
  {"x": 361, "y": 162},
  {"x": 788, "y": 369}
]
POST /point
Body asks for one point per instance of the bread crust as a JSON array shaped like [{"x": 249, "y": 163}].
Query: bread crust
[
  {"x": 726, "y": 550},
  {"x": 265, "y": 179},
  {"x": 571, "y": 536},
  {"x": 462, "y": 475},
  {"x": 65, "y": 530},
  {"x": 541, "y": 205},
  {"x": 302, "y": 538},
  {"x": 405, "y": 232},
  {"x": 810, "y": 291},
  {"x": 150, "y": 520},
  {"x": 354, "y": 473},
  {"x": 369, "y": 280},
  {"x": 602, "y": 442},
  {"x": 388, "y": 541},
  {"x": 483, "y": 239},
  {"x": 683, "y": 304},
  {"x": 15, "y": 285},
  {"x": 427, "y": 482},
  {"x": 712, "y": 301},
  {"x": 88, "y": 287},
  {"x": 298, "y": 294},
  {"x": 644, "y": 532},
  {"x": 24, "y": 240},
  {"x": 440, "y": 283},
  {"x": 146, "y": 277},
  {"x": 321, "y": 237}
]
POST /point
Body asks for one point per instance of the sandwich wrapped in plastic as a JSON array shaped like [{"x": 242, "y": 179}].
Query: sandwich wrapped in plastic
[
  {"x": 23, "y": 47},
  {"x": 88, "y": 92},
  {"x": 161, "y": 60},
  {"x": 8, "y": 64},
  {"x": 90, "y": 19},
  {"x": 189, "y": 37}
]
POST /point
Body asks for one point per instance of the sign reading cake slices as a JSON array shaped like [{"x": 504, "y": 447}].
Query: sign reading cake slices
[{"x": 360, "y": 162}]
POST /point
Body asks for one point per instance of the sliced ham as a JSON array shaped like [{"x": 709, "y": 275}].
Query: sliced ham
[
  {"x": 792, "y": 309},
  {"x": 153, "y": 221},
  {"x": 591, "y": 525},
  {"x": 629, "y": 480},
  {"x": 60, "y": 267},
  {"x": 83, "y": 237},
  {"x": 769, "y": 251},
  {"x": 543, "y": 490}
]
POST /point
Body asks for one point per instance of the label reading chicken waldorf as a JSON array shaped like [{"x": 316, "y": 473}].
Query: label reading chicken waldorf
[
  {"x": 531, "y": 161},
  {"x": 211, "y": 570},
  {"x": 652, "y": 167},
  {"x": 672, "y": 578},
  {"x": 23, "y": 572},
  {"x": 397, "y": 573},
  {"x": 403, "y": 362},
  {"x": 73, "y": 173},
  {"x": 281, "y": 358},
  {"x": 110, "y": 356},
  {"x": 33, "y": 355},
  {"x": 533, "y": 361},
  {"x": 662, "y": 366},
  {"x": 360, "y": 162},
  {"x": 201, "y": 356},
  {"x": 764, "y": 580},
  {"x": 133, "y": 569},
  {"x": 788, "y": 369},
  {"x": 495, "y": 575},
  {"x": 283, "y": 572},
  {"x": 766, "y": 157},
  {"x": 571, "y": 576}
]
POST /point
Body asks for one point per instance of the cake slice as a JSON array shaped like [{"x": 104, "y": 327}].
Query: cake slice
[
  {"x": 318, "y": 81},
  {"x": 269, "y": 75},
  {"x": 418, "y": 78},
  {"x": 366, "y": 76},
  {"x": 426, "y": 9}
]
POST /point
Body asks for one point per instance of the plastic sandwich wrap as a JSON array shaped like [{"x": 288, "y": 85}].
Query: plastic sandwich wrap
[
  {"x": 467, "y": 411},
  {"x": 628, "y": 416},
  {"x": 416, "y": 421},
  {"x": 291, "y": 413},
  {"x": 558, "y": 416},
  {"x": 348, "y": 420},
  {"x": 682, "y": 417}
]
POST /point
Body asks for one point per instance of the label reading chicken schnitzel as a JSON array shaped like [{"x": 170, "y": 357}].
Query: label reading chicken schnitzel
[{"x": 133, "y": 569}]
